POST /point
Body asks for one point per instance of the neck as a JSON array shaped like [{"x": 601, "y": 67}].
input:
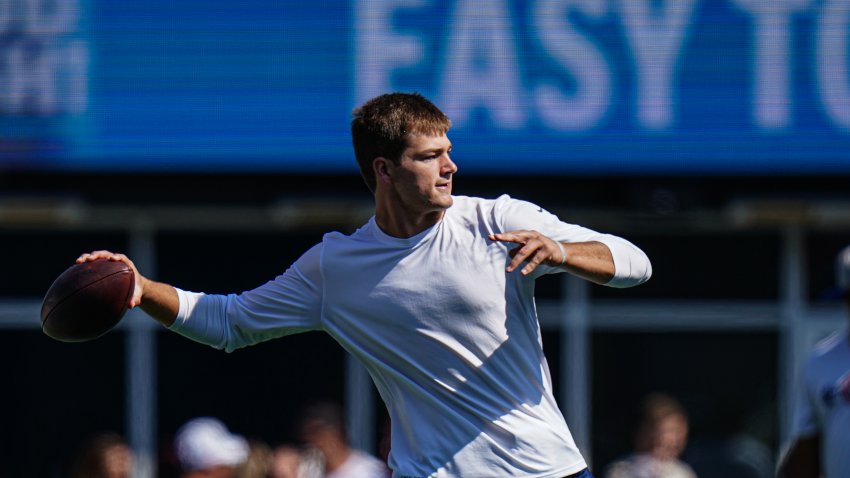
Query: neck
[
  {"x": 398, "y": 220},
  {"x": 404, "y": 226}
]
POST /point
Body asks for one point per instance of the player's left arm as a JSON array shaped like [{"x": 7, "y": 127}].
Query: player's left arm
[
  {"x": 590, "y": 260},
  {"x": 543, "y": 239}
]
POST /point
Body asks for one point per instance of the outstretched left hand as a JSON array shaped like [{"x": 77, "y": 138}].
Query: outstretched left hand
[{"x": 534, "y": 247}]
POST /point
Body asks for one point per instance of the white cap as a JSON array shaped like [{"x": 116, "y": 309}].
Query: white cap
[
  {"x": 842, "y": 270},
  {"x": 206, "y": 443}
]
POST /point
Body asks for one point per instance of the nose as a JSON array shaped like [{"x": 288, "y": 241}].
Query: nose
[{"x": 448, "y": 166}]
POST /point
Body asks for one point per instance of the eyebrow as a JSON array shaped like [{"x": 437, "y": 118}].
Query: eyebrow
[{"x": 435, "y": 150}]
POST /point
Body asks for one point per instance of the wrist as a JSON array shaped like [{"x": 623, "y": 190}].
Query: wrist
[
  {"x": 142, "y": 283},
  {"x": 563, "y": 253}
]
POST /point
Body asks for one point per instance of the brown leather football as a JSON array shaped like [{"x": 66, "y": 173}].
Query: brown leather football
[{"x": 87, "y": 300}]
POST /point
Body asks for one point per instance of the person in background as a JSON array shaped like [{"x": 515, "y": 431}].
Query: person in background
[
  {"x": 289, "y": 461},
  {"x": 820, "y": 444},
  {"x": 660, "y": 440},
  {"x": 205, "y": 448},
  {"x": 285, "y": 462},
  {"x": 106, "y": 455},
  {"x": 258, "y": 464},
  {"x": 322, "y": 428}
]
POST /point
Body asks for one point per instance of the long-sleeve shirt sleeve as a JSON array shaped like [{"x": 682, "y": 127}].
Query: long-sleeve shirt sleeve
[{"x": 289, "y": 304}]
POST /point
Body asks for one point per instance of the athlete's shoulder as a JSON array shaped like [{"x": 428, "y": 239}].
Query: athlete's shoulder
[
  {"x": 469, "y": 211},
  {"x": 465, "y": 202},
  {"x": 502, "y": 213},
  {"x": 362, "y": 233},
  {"x": 470, "y": 203}
]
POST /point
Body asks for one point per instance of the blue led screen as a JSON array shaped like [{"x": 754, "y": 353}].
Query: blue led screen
[{"x": 534, "y": 86}]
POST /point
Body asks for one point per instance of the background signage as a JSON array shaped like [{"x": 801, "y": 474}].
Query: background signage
[{"x": 535, "y": 86}]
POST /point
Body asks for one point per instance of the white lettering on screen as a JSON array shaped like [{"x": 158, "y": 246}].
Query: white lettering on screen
[
  {"x": 832, "y": 57},
  {"x": 487, "y": 58},
  {"x": 481, "y": 67},
  {"x": 655, "y": 37},
  {"x": 580, "y": 59},
  {"x": 43, "y": 66},
  {"x": 771, "y": 35},
  {"x": 379, "y": 50}
]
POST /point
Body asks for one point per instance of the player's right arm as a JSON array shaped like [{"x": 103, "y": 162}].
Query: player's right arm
[
  {"x": 291, "y": 303},
  {"x": 157, "y": 299},
  {"x": 802, "y": 460}
]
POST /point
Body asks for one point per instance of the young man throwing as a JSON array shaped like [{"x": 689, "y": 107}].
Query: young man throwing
[{"x": 434, "y": 295}]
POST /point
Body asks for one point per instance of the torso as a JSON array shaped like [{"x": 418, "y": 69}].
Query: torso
[{"x": 453, "y": 345}]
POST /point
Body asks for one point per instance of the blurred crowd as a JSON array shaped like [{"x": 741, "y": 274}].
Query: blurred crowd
[{"x": 204, "y": 447}]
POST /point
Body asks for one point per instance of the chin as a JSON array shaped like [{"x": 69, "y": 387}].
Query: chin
[{"x": 438, "y": 200}]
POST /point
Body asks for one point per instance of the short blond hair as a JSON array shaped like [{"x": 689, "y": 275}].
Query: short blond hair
[{"x": 380, "y": 127}]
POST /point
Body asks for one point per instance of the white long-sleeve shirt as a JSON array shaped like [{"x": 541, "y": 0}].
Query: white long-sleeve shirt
[{"x": 450, "y": 339}]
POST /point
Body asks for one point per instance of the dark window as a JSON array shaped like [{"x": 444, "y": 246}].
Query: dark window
[
  {"x": 727, "y": 382},
  {"x": 32, "y": 260},
  {"x": 742, "y": 266},
  {"x": 57, "y": 396}
]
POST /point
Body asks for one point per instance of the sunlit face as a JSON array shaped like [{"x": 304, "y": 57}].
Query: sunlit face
[
  {"x": 422, "y": 180},
  {"x": 285, "y": 463},
  {"x": 670, "y": 437},
  {"x": 117, "y": 462}
]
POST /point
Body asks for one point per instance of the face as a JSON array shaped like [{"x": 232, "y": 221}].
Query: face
[
  {"x": 117, "y": 462},
  {"x": 285, "y": 463},
  {"x": 422, "y": 180},
  {"x": 670, "y": 437}
]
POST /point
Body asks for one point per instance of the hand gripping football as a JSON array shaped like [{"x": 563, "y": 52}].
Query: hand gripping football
[{"x": 87, "y": 300}]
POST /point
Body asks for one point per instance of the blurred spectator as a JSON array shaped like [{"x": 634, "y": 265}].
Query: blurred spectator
[
  {"x": 322, "y": 428},
  {"x": 291, "y": 462},
  {"x": 105, "y": 455},
  {"x": 259, "y": 461},
  {"x": 821, "y": 427},
  {"x": 661, "y": 438},
  {"x": 206, "y": 448},
  {"x": 285, "y": 462}
]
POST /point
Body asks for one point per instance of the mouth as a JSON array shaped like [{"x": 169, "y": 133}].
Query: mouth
[{"x": 444, "y": 186}]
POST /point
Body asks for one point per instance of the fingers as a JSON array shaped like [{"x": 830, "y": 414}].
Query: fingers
[
  {"x": 534, "y": 259},
  {"x": 519, "y": 237},
  {"x": 95, "y": 255},
  {"x": 518, "y": 254},
  {"x": 112, "y": 256},
  {"x": 533, "y": 253},
  {"x": 136, "y": 299},
  {"x": 534, "y": 249}
]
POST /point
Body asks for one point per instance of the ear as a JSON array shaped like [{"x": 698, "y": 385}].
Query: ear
[{"x": 382, "y": 167}]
